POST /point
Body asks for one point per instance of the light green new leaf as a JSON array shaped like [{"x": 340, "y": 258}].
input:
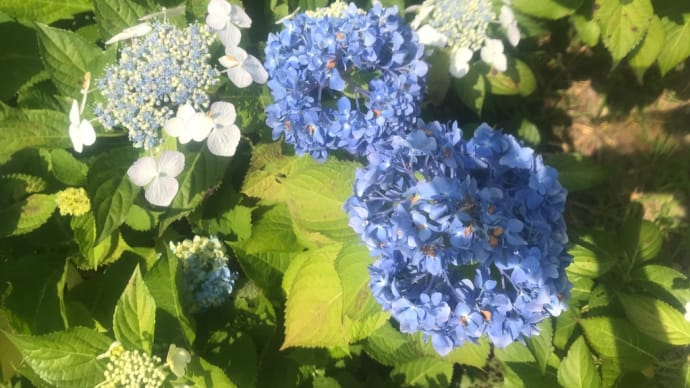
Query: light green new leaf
[
  {"x": 135, "y": 315},
  {"x": 67, "y": 57},
  {"x": 26, "y": 215},
  {"x": 164, "y": 281},
  {"x": 314, "y": 306},
  {"x": 113, "y": 16},
  {"x": 65, "y": 358},
  {"x": 518, "y": 79},
  {"x": 618, "y": 341},
  {"x": 424, "y": 372},
  {"x": 19, "y": 58},
  {"x": 577, "y": 369},
  {"x": 656, "y": 319},
  {"x": 587, "y": 29},
  {"x": 623, "y": 24},
  {"x": 44, "y": 11},
  {"x": 646, "y": 53},
  {"x": 677, "y": 46},
  {"x": 541, "y": 345},
  {"x": 548, "y": 9},
  {"x": 663, "y": 280}
]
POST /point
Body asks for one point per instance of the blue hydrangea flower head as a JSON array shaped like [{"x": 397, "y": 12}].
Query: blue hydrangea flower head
[
  {"x": 469, "y": 235},
  {"x": 207, "y": 278},
  {"x": 343, "y": 78},
  {"x": 155, "y": 73}
]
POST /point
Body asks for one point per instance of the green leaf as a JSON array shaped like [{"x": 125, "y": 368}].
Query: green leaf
[
  {"x": 67, "y": 56},
  {"x": 111, "y": 191},
  {"x": 656, "y": 319},
  {"x": 164, "y": 281},
  {"x": 472, "y": 88},
  {"x": 65, "y": 358},
  {"x": 623, "y": 24},
  {"x": 19, "y": 59},
  {"x": 618, "y": 341},
  {"x": 589, "y": 259},
  {"x": 518, "y": 79},
  {"x": 677, "y": 45},
  {"x": 265, "y": 256},
  {"x": 663, "y": 280},
  {"x": 642, "y": 240},
  {"x": 113, "y": 16},
  {"x": 424, "y": 372},
  {"x": 576, "y": 172},
  {"x": 44, "y": 11},
  {"x": 577, "y": 369},
  {"x": 541, "y": 345},
  {"x": 204, "y": 374},
  {"x": 529, "y": 132},
  {"x": 522, "y": 370},
  {"x": 472, "y": 354},
  {"x": 27, "y": 215},
  {"x": 39, "y": 128},
  {"x": 95, "y": 254},
  {"x": 313, "y": 290},
  {"x": 646, "y": 53},
  {"x": 141, "y": 219},
  {"x": 548, "y": 9},
  {"x": 587, "y": 28},
  {"x": 135, "y": 315},
  {"x": 565, "y": 326},
  {"x": 438, "y": 77},
  {"x": 67, "y": 169}
]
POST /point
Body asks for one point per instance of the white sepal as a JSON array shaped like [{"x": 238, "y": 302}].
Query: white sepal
[
  {"x": 223, "y": 141},
  {"x": 460, "y": 62},
  {"x": 140, "y": 29},
  {"x": 429, "y": 36},
  {"x": 81, "y": 133},
  {"x": 142, "y": 171},
  {"x": 158, "y": 176},
  {"x": 492, "y": 53}
]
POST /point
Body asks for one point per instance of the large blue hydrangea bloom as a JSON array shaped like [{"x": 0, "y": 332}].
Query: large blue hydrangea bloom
[
  {"x": 343, "y": 82},
  {"x": 470, "y": 235}
]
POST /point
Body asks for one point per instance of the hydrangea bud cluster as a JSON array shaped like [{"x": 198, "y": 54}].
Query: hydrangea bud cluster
[
  {"x": 208, "y": 281},
  {"x": 155, "y": 74},
  {"x": 470, "y": 235},
  {"x": 464, "y": 26},
  {"x": 73, "y": 201},
  {"x": 132, "y": 368},
  {"x": 343, "y": 81}
]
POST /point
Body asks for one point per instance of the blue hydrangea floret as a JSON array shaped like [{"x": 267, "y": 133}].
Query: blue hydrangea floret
[
  {"x": 469, "y": 235},
  {"x": 343, "y": 80},
  {"x": 208, "y": 282},
  {"x": 155, "y": 74}
]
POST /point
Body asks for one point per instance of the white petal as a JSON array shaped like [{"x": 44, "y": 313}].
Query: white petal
[
  {"x": 87, "y": 133},
  {"x": 161, "y": 191},
  {"x": 492, "y": 53},
  {"x": 235, "y": 55},
  {"x": 218, "y": 14},
  {"x": 429, "y": 36},
  {"x": 513, "y": 34},
  {"x": 199, "y": 126},
  {"x": 75, "y": 137},
  {"x": 223, "y": 141},
  {"x": 74, "y": 113},
  {"x": 254, "y": 67},
  {"x": 223, "y": 113},
  {"x": 131, "y": 32},
  {"x": 460, "y": 62},
  {"x": 240, "y": 18},
  {"x": 142, "y": 171},
  {"x": 240, "y": 77},
  {"x": 185, "y": 111},
  {"x": 506, "y": 17},
  {"x": 170, "y": 163},
  {"x": 229, "y": 36},
  {"x": 174, "y": 127}
]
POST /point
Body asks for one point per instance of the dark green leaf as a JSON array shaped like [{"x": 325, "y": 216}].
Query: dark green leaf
[
  {"x": 135, "y": 315},
  {"x": 19, "y": 58},
  {"x": 575, "y": 171}
]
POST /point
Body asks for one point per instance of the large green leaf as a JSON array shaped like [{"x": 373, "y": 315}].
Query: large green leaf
[
  {"x": 424, "y": 372},
  {"x": 164, "y": 281},
  {"x": 577, "y": 369},
  {"x": 565, "y": 326},
  {"x": 135, "y": 315},
  {"x": 95, "y": 254},
  {"x": 663, "y": 281},
  {"x": 37, "y": 128},
  {"x": 44, "y": 11},
  {"x": 26, "y": 215},
  {"x": 656, "y": 319},
  {"x": 67, "y": 57},
  {"x": 472, "y": 88},
  {"x": 618, "y": 341},
  {"x": 113, "y": 16},
  {"x": 641, "y": 240},
  {"x": 576, "y": 172},
  {"x": 19, "y": 59},
  {"x": 65, "y": 358},
  {"x": 522, "y": 370},
  {"x": 623, "y": 24},
  {"x": 541, "y": 345},
  {"x": 67, "y": 169},
  {"x": 677, "y": 45},
  {"x": 589, "y": 259},
  {"x": 204, "y": 374},
  {"x": 111, "y": 191},
  {"x": 646, "y": 53},
  {"x": 548, "y": 9},
  {"x": 518, "y": 79}
]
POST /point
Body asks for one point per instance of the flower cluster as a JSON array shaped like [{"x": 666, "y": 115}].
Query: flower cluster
[
  {"x": 73, "y": 201},
  {"x": 207, "y": 280},
  {"x": 470, "y": 235},
  {"x": 343, "y": 81},
  {"x": 132, "y": 368},
  {"x": 463, "y": 25},
  {"x": 155, "y": 73}
]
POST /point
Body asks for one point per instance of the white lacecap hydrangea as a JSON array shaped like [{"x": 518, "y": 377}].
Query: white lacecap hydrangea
[
  {"x": 463, "y": 27},
  {"x": 336, "y": 9},
  {"x": 132, "y": 368}
]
